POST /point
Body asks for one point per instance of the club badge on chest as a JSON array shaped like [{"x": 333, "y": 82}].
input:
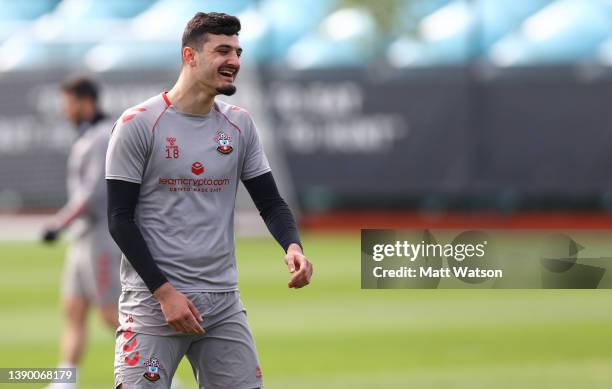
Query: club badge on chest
[{"x": 224, "y": 142}]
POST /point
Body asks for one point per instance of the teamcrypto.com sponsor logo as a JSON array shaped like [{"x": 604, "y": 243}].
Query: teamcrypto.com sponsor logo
[
  {"x": 485, "y": 259},
  {"x": 194, "y": 181},
  {"x": 187, "y": 184}
]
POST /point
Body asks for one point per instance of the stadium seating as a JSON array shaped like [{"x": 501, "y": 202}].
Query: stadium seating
[
  {"x": 152, "y": 37},
  {"x": 106, "y": 35},
  {"x": 11, "y": 10},
  {"x": 345, "y": 38},
  {"x": 17, "y": 15},
  {"x": 460, "y": 31},
  {"x": 60, "y": 37},
  {"x": 563, "y": 32}
]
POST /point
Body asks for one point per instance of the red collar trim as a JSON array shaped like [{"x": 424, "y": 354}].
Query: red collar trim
[{"x": 165, "y": 96}]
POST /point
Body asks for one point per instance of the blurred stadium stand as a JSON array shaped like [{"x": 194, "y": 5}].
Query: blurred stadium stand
[
  {"x": 308, "y": 33},
  {"x": 114, "y": 34},
  {"x": 418, "y": 104}
]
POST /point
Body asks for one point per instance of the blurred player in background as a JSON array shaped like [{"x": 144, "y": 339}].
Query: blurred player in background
[
  {"x": 91, "y": 270},
  {"x": 173, "y": 167}
]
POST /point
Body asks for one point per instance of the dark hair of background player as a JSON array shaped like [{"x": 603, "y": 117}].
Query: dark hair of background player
[{"x": 81, "y": 87}]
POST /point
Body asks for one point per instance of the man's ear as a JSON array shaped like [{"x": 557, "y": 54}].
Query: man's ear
[{"x": 189, "y": 56}]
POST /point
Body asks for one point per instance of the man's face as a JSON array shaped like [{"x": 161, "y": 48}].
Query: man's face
[
  {"x": 218, "y": 63},
  {"x": 73, "y": 108}
]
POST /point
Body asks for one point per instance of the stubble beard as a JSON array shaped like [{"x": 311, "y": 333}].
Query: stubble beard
[{"x": 227, "y": 90}]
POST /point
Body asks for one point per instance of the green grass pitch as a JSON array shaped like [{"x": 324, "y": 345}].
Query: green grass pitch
[{"x": 334, "y": 335}]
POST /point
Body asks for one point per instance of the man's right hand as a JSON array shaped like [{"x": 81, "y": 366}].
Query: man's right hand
[{"x": 179, "y": 311}]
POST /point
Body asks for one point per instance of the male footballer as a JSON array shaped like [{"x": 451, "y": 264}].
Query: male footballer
[
  {"x": 172, "y": 171},
  {"x": 91, "y": 270}
]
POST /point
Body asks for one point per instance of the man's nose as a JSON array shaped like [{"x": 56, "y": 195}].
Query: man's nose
[{"x": 234, "y": 60}]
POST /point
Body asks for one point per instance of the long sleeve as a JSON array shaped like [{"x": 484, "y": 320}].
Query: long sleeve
[
  {"x": 273, "y": 209},
  {"x": 122, "y": 200}
]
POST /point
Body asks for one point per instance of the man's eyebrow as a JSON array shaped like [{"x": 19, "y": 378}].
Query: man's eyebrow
[{"x": 226, "y": 46}]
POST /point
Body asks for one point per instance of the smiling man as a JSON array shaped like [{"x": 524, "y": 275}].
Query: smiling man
[{"x": 172, "y": 170}]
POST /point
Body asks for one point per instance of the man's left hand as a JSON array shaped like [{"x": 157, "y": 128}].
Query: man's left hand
[
  {"x": 50, "y": 235},
  {"x": 299, "y": 266}
]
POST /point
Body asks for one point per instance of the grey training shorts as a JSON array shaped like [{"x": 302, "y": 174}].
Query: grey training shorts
[
  {"x": 148, "y": 350},
  {"x": 91, "y": 268}
]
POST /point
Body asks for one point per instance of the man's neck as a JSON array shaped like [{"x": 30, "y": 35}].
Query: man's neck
[
  {"x": 92, "y": 119},
  {"x": 189, "y": 97}
]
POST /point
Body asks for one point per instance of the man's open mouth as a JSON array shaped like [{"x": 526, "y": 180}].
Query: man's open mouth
[{"x": 228, "y": 73}]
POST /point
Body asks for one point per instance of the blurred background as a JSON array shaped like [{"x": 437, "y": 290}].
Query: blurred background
[
  {"x": 397, "y": 104},
  {"x": 388, "y": 113}
]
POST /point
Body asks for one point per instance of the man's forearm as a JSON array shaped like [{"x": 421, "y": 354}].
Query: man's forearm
[
  {"x": 122, "y": 199},
  {"x": 274, "y": 210},
  {"x": 68, "y": 214},
  {"x": 282, "y": 226}
]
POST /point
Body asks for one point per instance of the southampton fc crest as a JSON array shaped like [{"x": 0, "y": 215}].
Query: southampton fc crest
[
  {"x": 152, "y": 373},
  {"x": 225, "y": 142}
]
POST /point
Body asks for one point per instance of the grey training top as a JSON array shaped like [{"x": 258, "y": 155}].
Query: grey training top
[
  {"x": 188, "y": 167},
  {"x": 85, "y": 179}
]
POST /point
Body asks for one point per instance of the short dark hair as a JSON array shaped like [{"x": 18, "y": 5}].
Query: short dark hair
[
  {"x": 81, "y": 87},
  {"x": 208, "y": 23}
]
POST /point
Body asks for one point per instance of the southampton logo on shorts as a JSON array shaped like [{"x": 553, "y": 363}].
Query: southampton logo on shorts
[
  {"x": 152, "y": 373},
  {"x": 224, "y": 141}
]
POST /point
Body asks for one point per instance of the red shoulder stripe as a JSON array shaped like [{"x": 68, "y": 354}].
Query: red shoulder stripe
[
  {"x": 159, "y": 117},
  {"x": 226, "y": 118},
  {"x": 131, "y": 116}
]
